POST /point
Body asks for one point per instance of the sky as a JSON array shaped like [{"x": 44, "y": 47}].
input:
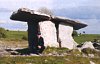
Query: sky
[{"x": 86, "y": 11}]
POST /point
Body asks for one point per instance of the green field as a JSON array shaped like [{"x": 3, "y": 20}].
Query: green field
[
  {"x": 86, "y": 37},
  {"x": 15, "y": 35},
  {"x": 18, "y": 35}
]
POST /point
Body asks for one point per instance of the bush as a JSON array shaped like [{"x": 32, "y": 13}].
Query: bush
[
  {"x": 24, "y": 38},
  {"x": 3, "y": 33},
  {"x": 74, "y": 33}
]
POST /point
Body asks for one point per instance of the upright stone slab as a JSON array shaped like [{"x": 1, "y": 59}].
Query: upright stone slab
[
  {"x": 48, "y": 32},
  {"x": 65, "y": 35}
]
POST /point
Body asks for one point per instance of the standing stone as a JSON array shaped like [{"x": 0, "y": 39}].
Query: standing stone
[
  {"x": 48, "y": 32},
  {"x": 65, "y": 35}
]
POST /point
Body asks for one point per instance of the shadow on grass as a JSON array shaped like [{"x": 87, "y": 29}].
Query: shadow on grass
[{"x": 24, "y": 51}]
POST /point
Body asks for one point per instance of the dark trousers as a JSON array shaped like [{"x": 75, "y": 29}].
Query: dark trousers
[
  {"x": 40, "y": 50},
  {"x": 37, "y": 50}
]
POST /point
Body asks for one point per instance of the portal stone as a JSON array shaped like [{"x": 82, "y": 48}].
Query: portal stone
[
  {"x": 65, "y": 35},
  {"x": 48, "y": 32}
]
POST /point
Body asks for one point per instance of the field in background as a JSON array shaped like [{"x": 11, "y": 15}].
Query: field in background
[
  {"x": 15, "y": 35},
  {"x": 86, "y": 37},
  {"x": 21, "y": 35},
  {"x": 15, "y": 39}
]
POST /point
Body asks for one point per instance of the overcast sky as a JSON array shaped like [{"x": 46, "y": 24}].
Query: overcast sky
[{"x": 86, "y": 6}]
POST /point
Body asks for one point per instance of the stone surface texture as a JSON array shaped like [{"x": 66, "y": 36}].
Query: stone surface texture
[
  {"x": 48, "y": 32},
  {"x": 65, "y": 34},
  {"x": 88, "y": 44}
]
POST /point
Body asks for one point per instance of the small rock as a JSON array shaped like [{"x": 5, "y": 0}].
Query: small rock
[
  {"x": 50, "y": 54},
  {"x": 88, "y": 45},
  {"x": 34, "y": 55},
  {"x": 84, "y": 55},
  {"x": 91, "y": 55},
  {"x": 91, "y": 62},
  {"x": 14, "y": 52},
  {"x": 67, "y": 59},
  {"x": 45, "y": 60}
]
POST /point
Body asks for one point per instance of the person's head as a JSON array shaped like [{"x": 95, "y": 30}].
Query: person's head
[{"x": 39, "y": 35}]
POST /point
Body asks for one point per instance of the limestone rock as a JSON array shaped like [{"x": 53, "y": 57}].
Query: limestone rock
[
  {"x": 91, "y": 62},
  {"x": 96, "y": 45},
  {"x": 48, "y": 32},
  {"x": 65, "y": 34},
  {"x": 88, "y": 45}
]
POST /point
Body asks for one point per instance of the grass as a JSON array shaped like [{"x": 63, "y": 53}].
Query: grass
[
  {"x": 45, "y": 60},
  {"x": 53, "y": 50},
  {"x": 86, "y": 37},
  {"x": 18, "y": 35},
  {"x": 15, "y": 35}
]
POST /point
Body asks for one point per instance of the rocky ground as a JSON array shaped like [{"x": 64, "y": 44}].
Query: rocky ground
[
  {"x": 8, "y": 47},
  {"x": 19, "y": 49}
]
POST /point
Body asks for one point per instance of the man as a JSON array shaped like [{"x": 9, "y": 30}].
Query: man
[{"x": 40, "y": 44}]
